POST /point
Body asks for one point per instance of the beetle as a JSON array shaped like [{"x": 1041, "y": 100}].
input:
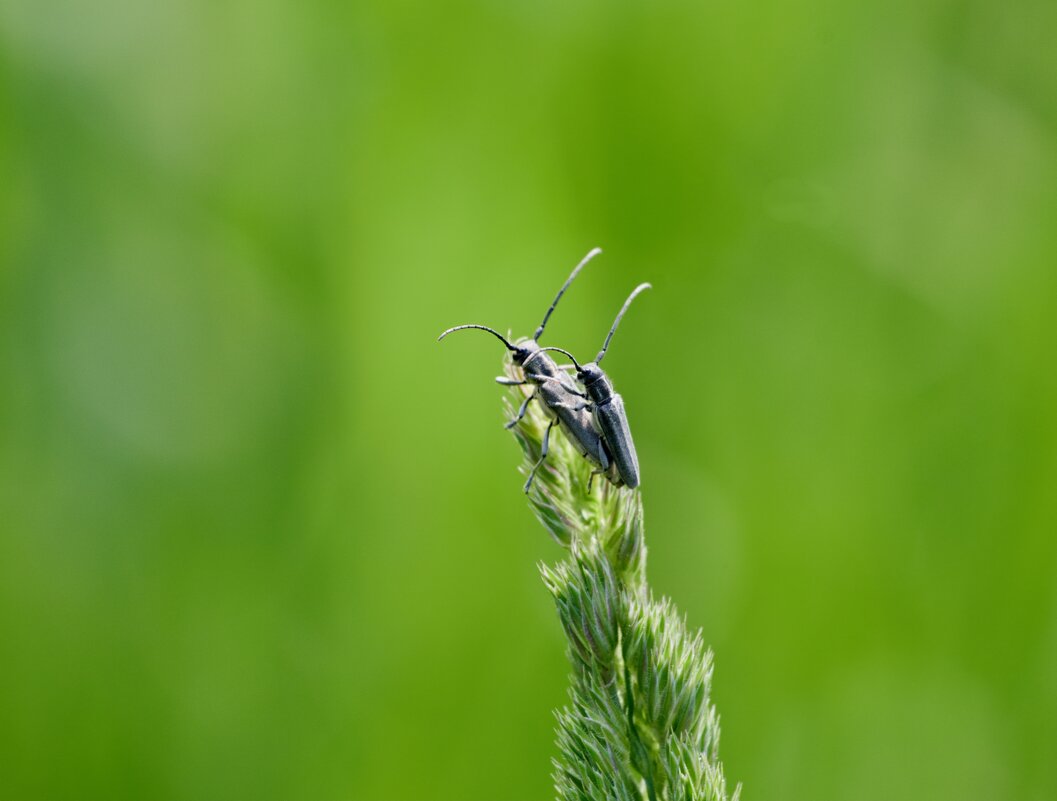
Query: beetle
[
  {"x": 606, "y": 406},
  {"x": 562, "y": 400}
]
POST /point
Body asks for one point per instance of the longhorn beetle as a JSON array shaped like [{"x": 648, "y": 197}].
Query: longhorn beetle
[
  {"x": 606, "y": 406},
  {"x": 561, "y": 399}
]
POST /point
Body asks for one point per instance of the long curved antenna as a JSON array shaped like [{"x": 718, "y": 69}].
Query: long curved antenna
[
  {"x": 620, "y": 314},
  {"x": 481, "y": 327},
  {"x": 569, "y": 280},
  {"x": 576, "y": 364}
]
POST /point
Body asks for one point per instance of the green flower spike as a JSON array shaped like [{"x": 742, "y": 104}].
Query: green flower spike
[{"x": 639, "y": 725}]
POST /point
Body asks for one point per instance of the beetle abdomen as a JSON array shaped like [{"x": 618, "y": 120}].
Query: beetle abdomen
[
  {"x": 613, "y": 423},
  {"x": 577, "y": 423}
]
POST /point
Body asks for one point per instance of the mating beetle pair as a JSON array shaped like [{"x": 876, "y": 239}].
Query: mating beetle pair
[{"x": 593, "y": 418}]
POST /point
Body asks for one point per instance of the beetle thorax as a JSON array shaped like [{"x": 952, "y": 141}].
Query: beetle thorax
[
  {"x": 596, "y": 382},
  {"x": 525, "y": 351},
  {"x": 536, "y": 360}
]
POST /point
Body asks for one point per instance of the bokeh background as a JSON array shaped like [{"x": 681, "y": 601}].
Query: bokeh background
[{"x": 263, "y": 538}]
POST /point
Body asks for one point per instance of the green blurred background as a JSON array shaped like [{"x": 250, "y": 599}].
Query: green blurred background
[{"x": 263, "y": 538}]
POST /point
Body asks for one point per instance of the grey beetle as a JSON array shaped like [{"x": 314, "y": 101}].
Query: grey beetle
[
  {"x": 607, "y": 407},
  {"x": 558, "y": 392}
]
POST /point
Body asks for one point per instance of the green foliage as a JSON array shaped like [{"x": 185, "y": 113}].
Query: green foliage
[
  {"x": 253, "y": 518},
  {"x": 639, "y": 724}
]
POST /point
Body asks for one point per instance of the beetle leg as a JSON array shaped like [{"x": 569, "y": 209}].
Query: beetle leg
[
  {"x": 543, "y": 454},
  {"x": 520, "y": 412},
  {"x": 577, "y": 408},
  {"x": 509, "y": 382},
  {"x": 539, "y": 379},
  {"x": 603, "y": 462},
  {"x": 591, "y": 480},
  {"x": 603, "y": 459}
]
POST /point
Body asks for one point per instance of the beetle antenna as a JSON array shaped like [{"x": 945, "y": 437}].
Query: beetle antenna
[
  {"x": 639, "y": 289},
  {"x": 576, "y": 364},
  {"x": 569, "y": 280},
  {"x": 483, "y": 328}
]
